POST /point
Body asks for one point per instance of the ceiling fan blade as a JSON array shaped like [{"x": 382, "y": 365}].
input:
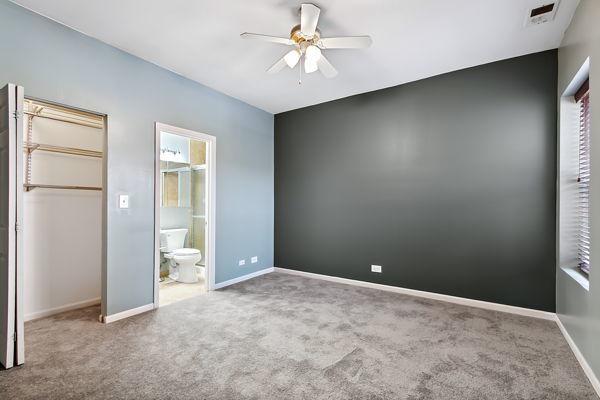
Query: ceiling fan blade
[
  {"x": 309, "y": 17},
  {"x": 278, "y": 66},
  {"x": 326, "y": 68},
  {"x": 267, "y": 38},
  {"x": 347, "y": 42}
]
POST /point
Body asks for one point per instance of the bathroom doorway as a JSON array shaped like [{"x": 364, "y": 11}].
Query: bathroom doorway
[{"x": 184, "y": 214}]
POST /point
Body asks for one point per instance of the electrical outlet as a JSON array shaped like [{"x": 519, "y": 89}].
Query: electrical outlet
[
  {"x": 242, "y": 262},
  {"x": 376, "y": 268},
  {"x": 254, "y": 260}
]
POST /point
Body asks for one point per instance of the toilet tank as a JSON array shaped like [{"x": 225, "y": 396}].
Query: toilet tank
[{"x": 172, "y": 239}]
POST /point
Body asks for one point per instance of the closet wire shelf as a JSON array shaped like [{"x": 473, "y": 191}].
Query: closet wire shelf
[
  {"x": 31, "y": 186},
  {"x": 29, "y": 147},
  {"x": 63, "y": 150}
]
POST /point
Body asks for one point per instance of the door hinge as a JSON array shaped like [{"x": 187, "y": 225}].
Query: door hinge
[
  {"x": 17, "y": 227},
  {"x": 15, "y": 337},
  {"x": 18, "y": 114}
]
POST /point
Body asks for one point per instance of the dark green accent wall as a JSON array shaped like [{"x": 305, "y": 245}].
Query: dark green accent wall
[{"x": 449, "y": 183}]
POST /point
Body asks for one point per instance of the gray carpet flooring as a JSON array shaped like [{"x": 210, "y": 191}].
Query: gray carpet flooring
[{"x": 286, "y": 337}]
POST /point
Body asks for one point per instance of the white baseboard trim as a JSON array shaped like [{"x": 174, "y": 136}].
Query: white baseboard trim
[
  {"x": 127, "y": 313},
  {"x": 243, "y": 278},
  {"x": 60, "y": 309},
  {"x": 528, "y": 312},
  {"x": 582, "y": 361}
]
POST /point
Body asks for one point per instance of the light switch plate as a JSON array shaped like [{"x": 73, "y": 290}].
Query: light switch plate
[
  {"x": 254, "y": 260},
  {"x": 123, "y": 201},
  {"x": 376, "y": 268},
  {"x": 242, "y": 262}
]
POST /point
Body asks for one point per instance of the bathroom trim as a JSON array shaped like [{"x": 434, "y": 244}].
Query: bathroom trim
[
  {"x": 211, "y": 199},
  {"x": 244, "y": 278}
]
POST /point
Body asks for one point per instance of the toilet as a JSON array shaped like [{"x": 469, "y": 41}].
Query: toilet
[{"x": 182, "y": 260}]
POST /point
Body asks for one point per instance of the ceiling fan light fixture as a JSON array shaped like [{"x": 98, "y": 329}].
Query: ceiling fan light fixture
[
  {"x": 313, "y": 53},
  {"x": 310, "y": 66},
  {"x": 291, "y": 58}
]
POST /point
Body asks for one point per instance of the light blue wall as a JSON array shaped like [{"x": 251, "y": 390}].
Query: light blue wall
[
  {"x": 56, "y": 63},
  {"x": 578, "y": 308}
]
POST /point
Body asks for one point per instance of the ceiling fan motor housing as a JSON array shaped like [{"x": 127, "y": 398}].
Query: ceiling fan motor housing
[{"x": 297, "y": 36}]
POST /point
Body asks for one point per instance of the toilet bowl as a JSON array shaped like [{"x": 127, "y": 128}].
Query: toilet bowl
[
  {"x": 185, "y": 262},
  {"x": 182, "y": 261}
]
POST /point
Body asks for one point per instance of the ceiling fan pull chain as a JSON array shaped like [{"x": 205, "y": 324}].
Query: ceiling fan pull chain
[{"x": 300, "y": 67}]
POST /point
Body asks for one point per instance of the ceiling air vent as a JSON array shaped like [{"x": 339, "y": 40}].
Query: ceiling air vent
[{"x": 542, "y": 14}]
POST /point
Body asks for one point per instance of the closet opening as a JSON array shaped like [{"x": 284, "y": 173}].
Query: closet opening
[
  {"x": 184, "y": 214},
  {"x": 63, "y": 217}
]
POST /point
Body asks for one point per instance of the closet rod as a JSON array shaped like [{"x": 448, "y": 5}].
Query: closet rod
[
  {"x": 31, "y": 186},
  {"x": 31, "y": 146},
  {"x": 89, "y": 125}
]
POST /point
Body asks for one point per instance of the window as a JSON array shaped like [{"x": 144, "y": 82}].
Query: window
[{"x": 582, "y": 97}]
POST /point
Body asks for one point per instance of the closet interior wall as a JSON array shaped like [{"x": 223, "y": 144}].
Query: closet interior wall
[{"x": 62, "y": 222}]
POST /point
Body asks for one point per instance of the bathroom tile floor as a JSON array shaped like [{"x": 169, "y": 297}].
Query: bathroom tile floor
[{"x": 171, "y": 291}]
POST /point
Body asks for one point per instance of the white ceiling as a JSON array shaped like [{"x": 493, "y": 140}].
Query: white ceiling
[{"x": 412, "y": 39}]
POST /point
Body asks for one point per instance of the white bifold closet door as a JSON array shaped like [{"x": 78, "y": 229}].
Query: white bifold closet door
[{"x": 12, "y": 349}]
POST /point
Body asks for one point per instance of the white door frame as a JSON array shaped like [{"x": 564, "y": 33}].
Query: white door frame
[
  {"x": 20, "y": 287},
  {"x": 12, "y": 323},
  {"x": 211, "y": 198}
]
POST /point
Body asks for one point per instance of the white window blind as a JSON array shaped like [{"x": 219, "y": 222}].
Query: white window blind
[{"x": 583, "y": 99}]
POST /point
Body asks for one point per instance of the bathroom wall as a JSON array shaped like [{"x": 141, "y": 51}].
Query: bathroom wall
[
  {"x": 57, "y": 63},
  {"x": 62, "y": 236},
  {"x": 579, "y": 308},
  {"x": 175, "y": 217},
  {"x": 448, "y": 183}
]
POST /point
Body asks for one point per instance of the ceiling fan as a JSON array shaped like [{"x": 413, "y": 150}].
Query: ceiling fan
[{"x": 308, "y": 43}]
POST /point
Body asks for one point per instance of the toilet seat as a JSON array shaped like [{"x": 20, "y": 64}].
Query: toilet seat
[
  {"x": 182, "y": 253},
  {"x": 185, "y": 252}
]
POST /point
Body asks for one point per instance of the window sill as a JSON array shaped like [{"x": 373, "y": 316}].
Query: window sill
[{"x": 578, "y": 276}]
